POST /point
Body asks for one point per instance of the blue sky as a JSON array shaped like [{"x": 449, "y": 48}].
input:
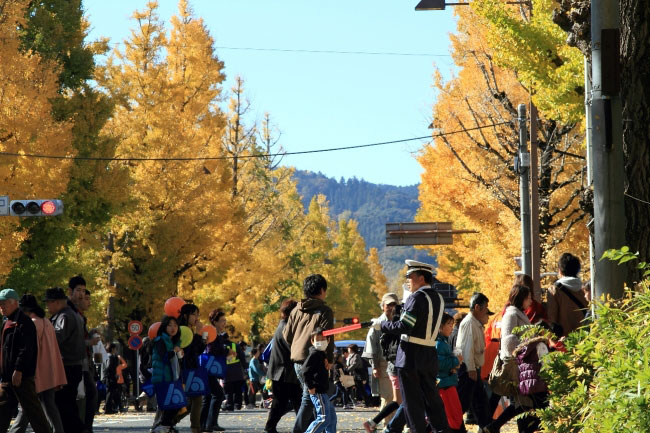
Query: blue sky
[{"x": 323, "y": 100}]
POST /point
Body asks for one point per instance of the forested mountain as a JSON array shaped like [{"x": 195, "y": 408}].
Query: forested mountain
[{"x": 372, "y": 206}]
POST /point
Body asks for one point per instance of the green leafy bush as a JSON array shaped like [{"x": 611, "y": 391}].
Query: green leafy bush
[{"x": 602, "y": 382}]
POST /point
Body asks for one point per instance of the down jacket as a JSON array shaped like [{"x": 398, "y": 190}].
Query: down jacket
[
  {"x": 446, "y": 362},
  {"x": 528, "y": 358},
  {"x": 161, "y": 360}
]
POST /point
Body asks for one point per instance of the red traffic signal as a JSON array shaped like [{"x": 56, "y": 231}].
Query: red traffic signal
[
  {"x": 35, "y": 208},
  {"x": 351, "y": 320}
]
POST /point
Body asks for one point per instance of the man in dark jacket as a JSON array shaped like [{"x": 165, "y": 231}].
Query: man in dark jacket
[
  {"x": 79, "y": 300},
  {"x": 69, "y": 329},
  {"x": 310, "y": 313},
  {"x": 286, "y": 387},
  {"x": 18, "y": 366}
]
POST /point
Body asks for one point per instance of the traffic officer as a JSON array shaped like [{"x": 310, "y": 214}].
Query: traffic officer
[{"x": 417, "y": 360}]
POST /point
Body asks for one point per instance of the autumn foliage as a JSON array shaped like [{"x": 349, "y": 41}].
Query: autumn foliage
[
  {"x": 469, "y": 177},
  {"x": 29, "y": 83},
  {"x": 180, "y": 199}
]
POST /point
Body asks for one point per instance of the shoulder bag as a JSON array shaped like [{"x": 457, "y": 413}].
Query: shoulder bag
[
  {"x": 347, "y": 380},
  {"x": 504, "y": 377}
]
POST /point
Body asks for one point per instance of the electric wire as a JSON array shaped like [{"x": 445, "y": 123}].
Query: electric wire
[
  {"x": 227, "y": 157},
  {"x": 313, "y": 51},
  {"x": 637, "y": 199}
]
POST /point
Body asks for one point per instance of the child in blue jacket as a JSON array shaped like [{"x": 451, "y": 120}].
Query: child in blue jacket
[{"x": 448, "y": 364}]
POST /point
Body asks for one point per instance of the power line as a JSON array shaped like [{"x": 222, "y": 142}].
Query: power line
[
  {"x": 370, "y": 53},
  {"x": 637, "y": 199},
  {"x": 264, "y": 155},
  {"x": 311, "y": 51}
]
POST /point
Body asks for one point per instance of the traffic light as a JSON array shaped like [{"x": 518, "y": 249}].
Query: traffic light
[
  {"x": 35, "y": 208},
  {"x": 350, "y": 320}
]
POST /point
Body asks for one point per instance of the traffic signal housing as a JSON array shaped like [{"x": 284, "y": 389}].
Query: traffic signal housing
[
  {"x": 350, "y": 320},
  {"x": 35, "y": 208}
]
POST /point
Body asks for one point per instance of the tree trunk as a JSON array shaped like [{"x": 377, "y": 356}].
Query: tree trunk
[{"x": 635, "y": 95}]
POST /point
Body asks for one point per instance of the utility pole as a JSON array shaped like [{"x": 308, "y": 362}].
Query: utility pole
[
  {"x": 607, "y": 146},
  {"x": 522, "y": 164},
  {"x": 535, "y": 256}
]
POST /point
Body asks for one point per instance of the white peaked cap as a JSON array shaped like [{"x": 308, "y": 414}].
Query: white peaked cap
[{"x": 418, "y": 266}]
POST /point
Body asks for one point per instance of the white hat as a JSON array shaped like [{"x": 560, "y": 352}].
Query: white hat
[
  {"x": 388, "y": 298},
  {"x": 418, "y": 266}
]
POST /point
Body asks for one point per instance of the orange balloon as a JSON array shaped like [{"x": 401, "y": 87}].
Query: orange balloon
[
  {"x": 153, "y": 330},
  {"x": 173, "y": 306},
  {"x": 212, "y": 332}
]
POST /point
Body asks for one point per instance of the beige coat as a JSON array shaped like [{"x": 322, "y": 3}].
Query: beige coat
[
  {"x": 49, "y": 365},
  {"x": 561, "y": 309}
]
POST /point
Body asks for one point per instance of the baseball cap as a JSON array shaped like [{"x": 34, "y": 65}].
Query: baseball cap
[{"x": 6, "y": 294}]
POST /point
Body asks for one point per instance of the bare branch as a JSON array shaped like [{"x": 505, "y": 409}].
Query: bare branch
[
  {"x": 567, "y": 229},
  {"x": 496, "y": 190}
]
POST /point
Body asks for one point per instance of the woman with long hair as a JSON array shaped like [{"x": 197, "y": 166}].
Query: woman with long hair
[
  {"x": 50, "y": 373},
  {"x": 520, "y": 298},
  {"x": 189, "y": 316},
  {"x": 220, "y": 347},
  {"x": 164, "y": 361}
]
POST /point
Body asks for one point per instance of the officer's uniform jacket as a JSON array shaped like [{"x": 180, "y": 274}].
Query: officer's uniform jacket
[{"x": 418, "y": 326}]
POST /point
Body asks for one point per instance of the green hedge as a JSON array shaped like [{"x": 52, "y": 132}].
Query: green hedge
[{"x": 602, "y": 382}]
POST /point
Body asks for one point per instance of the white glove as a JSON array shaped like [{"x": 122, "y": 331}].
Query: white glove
[{"x": 376, "y": 324}]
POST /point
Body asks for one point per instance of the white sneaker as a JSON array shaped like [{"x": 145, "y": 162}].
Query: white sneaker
[{"x": 369, "y": 426}]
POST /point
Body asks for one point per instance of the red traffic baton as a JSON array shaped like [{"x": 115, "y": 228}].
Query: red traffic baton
[{"x": 347, "y": 328}]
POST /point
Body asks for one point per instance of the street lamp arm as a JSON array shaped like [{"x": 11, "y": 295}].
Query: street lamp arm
[{"x": 439, "y": 5}]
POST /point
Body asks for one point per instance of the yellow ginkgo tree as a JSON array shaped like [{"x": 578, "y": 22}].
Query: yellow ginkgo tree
[
  {"x": 469, "y": 177},
  {"x": 28, "y": 84}
]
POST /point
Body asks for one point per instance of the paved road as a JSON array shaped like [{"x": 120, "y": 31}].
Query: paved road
[{"x": 248, "y": 420}]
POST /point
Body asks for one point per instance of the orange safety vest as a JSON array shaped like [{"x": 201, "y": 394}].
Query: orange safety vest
[{"x": 119, "y": 368}]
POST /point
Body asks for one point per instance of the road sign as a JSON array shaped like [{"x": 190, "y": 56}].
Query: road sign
[
  {"x": 135, "y": 327},
  {"x": 418, "y": 234},
  {"x": 135, "y": 342},
  {"x": 421, "y": 234},
  {"x": 4, "y": 205}
]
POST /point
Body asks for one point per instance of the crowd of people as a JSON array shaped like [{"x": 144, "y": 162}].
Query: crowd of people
[
  {"x": 45, "y": 364},
  {"x": 438, "y": 364},
  {"x": 430, "y": 368}
]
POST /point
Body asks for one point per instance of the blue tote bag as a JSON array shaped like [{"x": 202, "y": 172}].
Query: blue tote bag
[
  {"x": 170, "y": 395},
  {"x": 196, "y": 382},
  {"x": 147, "y": 388},
  {"x": 213, "y": 365}
]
